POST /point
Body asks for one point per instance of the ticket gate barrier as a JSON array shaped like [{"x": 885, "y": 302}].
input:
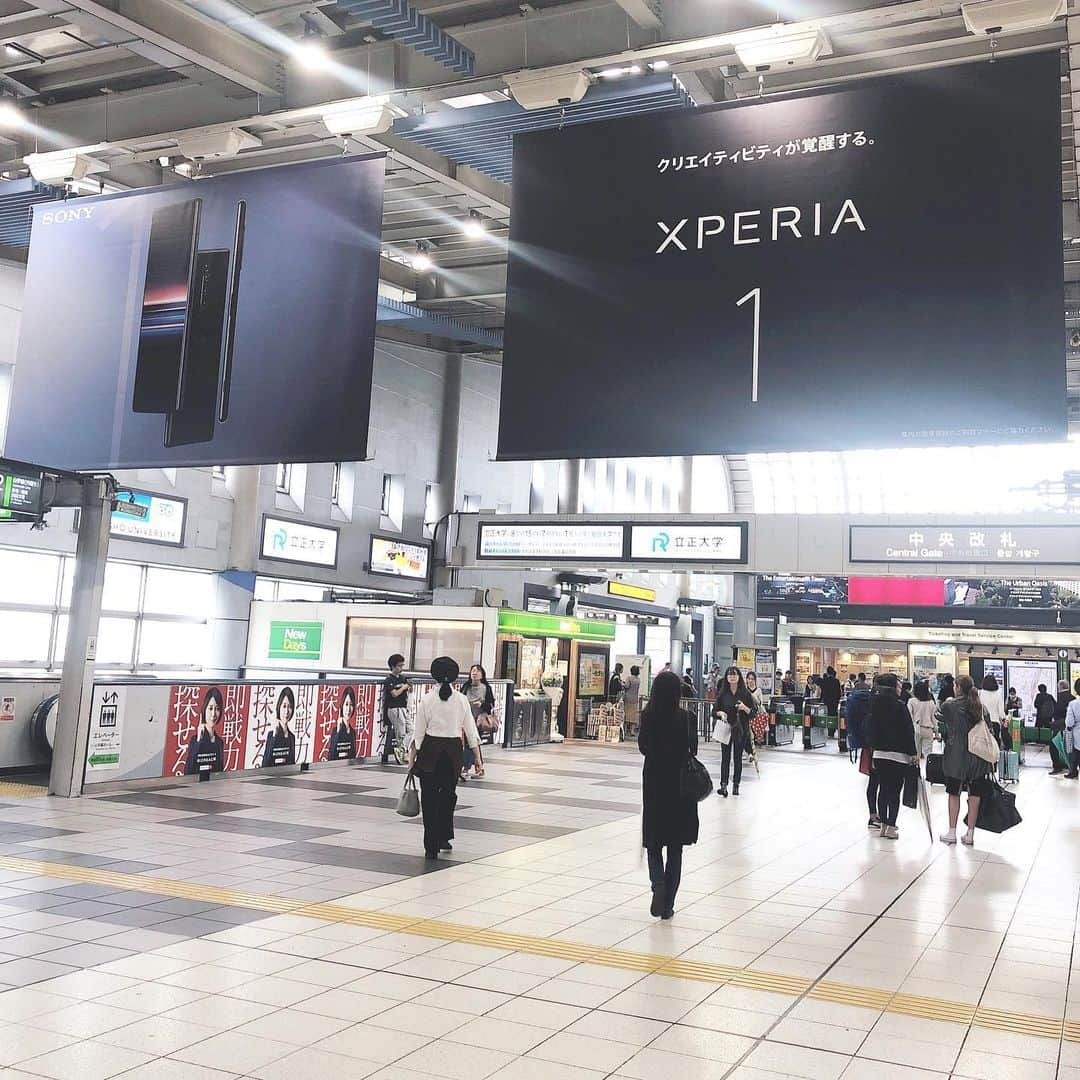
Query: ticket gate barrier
[
  {"x": 815, "y": 732},
  {"x": 782, "y": 721}
]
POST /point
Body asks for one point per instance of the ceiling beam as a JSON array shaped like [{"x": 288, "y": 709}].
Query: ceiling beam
[
  {"x": 643, "y": 13},
  {"x": 175, "y": 35}
]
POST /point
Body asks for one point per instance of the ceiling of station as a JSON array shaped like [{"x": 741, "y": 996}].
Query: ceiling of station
[{"x": 132, "y": 81}]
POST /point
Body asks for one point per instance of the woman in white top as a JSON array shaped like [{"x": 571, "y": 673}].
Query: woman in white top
[
  {"x": 994, "y": 704},
  {"x": 923, "y": 709},
  {"x": 436, "y": 754}
]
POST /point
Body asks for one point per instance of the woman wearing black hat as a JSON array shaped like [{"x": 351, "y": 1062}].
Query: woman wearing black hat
[{"x": 436, "y": 753}]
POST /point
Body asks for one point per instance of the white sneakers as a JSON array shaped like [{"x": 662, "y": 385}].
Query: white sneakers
[
  {"x": 968, "y": 839},
  {"x": 889, "y": 832}
]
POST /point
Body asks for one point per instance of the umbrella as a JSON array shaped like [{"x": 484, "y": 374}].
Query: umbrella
[{"x": 924, "y": 807}]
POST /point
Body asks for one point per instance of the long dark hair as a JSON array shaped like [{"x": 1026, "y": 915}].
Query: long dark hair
[
  {"x": 664, "y": 697},
  {"x": 740, "y": 689},
  {"x": 969, "y": 693},
  {"x": 922, "y": 691},
  {"x": 285, "y": 694},
  {"x": 445, "y": 671},
  {"x": 213, "y": 694},
  {"x": 349, "y": 693},
  {"x": 948, "y": 688}
]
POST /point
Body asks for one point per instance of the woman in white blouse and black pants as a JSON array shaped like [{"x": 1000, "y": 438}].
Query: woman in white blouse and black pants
[{"x": 437, "y": 756}]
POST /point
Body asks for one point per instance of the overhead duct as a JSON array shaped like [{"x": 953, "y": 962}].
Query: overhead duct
[{"x": 397, "y": 19}]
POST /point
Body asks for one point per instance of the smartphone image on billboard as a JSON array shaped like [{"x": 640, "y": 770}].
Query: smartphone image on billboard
[
  {"x": 230, "y": 318},
  {"x": 166, "y": 307},
  {"x": 193, "y": 421}
]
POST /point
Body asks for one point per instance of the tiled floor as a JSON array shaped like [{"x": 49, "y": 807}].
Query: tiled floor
[{"x": 286, "y": 926}]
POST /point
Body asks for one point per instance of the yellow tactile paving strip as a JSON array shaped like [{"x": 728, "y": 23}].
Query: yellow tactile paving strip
[
  {"x": 647, "y": 963},
  {"x": 21, "y": 791}
]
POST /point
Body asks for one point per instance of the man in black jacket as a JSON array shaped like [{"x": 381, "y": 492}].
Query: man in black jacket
[{"x": 892, "y": 735}]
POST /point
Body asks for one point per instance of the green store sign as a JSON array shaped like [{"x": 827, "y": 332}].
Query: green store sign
[
  {"x": 295, "y": 640},
  {"x": 560, "y": 626}
]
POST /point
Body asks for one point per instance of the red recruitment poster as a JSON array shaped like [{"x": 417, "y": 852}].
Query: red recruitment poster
[
  {"x": 281, "y": 724},
  {"x": 206, "y": 728},
  {"x": 344, "y": 722}
]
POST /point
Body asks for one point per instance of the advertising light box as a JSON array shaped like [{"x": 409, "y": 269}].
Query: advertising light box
[
  {"x": 225, "y": 321},
  {"x": 517, "y": 540},
  {"x": 20, "y": 491},
  {"x": 297, "y": 542},
  {"x": 723, "y": 542},
  {"x": 399, "y": 558},
  {"x": 785, "y": 274},
  {"x": 1032, "y": 544},
  {"x": 154, "y": 519}
]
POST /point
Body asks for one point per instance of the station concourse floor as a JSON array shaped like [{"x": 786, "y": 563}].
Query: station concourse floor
[{"x": 287, "y": 926}]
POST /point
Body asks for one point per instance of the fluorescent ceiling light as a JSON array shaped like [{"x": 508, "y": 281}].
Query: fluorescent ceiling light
[
  {"x": 469, "y": 101},
  {"x": 1003, "y": 16},
  {"x": 368, "y": 116},
  {"x": 619, "y": 72},
  {"x": 216, "y": 144},
  {"x": 421, "y": 261},
  {"x": 59, "y": 166},
  {"x": 660, "y": 65},
  {"x": 780, "y": 46},
  {"x": 532, "y": 91},
  {"x": 473, "y": 226}
]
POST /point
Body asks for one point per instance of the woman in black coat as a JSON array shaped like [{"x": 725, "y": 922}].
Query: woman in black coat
[
  {"x": 831, "y": 691},
  {"x": 666, "y": 737},
  {"x": 735, "y": 704}
]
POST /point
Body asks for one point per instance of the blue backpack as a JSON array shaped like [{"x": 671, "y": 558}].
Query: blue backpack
[{"x": 856, "y": 714}]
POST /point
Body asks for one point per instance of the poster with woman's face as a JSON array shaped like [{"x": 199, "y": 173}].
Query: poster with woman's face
[
  {"x": 198, "y": 709},
  {"x": 344, "y": 722},
  {"x": 284, "y": 713}
]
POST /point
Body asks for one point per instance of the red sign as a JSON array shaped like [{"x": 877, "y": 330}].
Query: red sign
[{"x": 897, "y": 591}]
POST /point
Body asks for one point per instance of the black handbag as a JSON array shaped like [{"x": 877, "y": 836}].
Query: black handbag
[
  {"x": 694, "y": 780},
  {"x": 935, "y": 769},
  {"x": 997, "y": 811},
  {"x": 910, "y": 797}
]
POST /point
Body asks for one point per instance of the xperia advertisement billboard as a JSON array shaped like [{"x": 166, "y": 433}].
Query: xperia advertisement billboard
[
  {"x": 229, "y": 320},
  {"x": 873, "y": 265}
]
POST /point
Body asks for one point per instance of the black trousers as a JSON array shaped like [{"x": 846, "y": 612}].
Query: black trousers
[
  {"x": 438, "y": 796},
  {"x": 890, "y": 776},
  {"x": 872, "y": 790},
  {"x": 670, "y": 875},
  {"x": 727, "y": 750}
]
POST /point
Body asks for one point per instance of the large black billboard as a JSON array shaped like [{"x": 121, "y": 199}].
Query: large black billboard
[
  {"x": 870, "y": 266},
  {"x": 225, "y": 321}
]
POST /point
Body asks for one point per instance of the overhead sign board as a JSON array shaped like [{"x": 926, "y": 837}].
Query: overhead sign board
[
  {"x": 733, "y": 240},
  {"x": 298, "y": 542},
  {"x": 538, "y": 624},
  {"x": 295, "y": 641},
  {"x": 1030, "y": 544},
  {"x": 20, "y": 491},
  {"x": 519, "y": 540},
  {"x": 154, "y": 519},
  {"x": 399, "y": 558},
  {"x": 723, "y": 542}
]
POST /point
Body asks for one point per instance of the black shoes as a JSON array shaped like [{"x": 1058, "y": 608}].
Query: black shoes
[
  {"x": 657, "y": 906},
  {"x": 1071, "y": 775},
  {"x": 447, "y": 846},
  {"x": 723, "y": 791},
  {"x": 431, "y": 855},
  {"x": 668, "y": 912},
  {"x": 735, "y": 789}
]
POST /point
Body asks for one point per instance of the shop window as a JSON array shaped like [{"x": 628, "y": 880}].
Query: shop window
[
  {"x": 368, "y": 642},
  {"x": 441, "y": 637},
  {"x": 658, "y": 646},
  {"x": 24, "y": 638},
  {"x": 179, "y": 592},
  {"x": 29, "y": 577},
  {"x": 173, "y": 644}
]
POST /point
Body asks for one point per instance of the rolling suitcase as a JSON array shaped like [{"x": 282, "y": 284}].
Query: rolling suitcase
[
  {"x": 1009, "y": 767},
  {"x": 935, "y": 771}
]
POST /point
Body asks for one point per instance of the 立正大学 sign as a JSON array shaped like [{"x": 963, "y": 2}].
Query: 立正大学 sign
[
  {"x": 710, "y": 542},
  {"x": 298, "y": 542},
  {"x": 537, "y": 624},
  {"x": 295, "y": 641}
]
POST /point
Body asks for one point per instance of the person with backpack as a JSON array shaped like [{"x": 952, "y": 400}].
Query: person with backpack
[
  {"x": 892, "y": 736},
  {"x": 856, "y": 713}
]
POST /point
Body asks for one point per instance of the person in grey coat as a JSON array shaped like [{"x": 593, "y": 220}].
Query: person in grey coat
[{"x": 963, "y": 770}]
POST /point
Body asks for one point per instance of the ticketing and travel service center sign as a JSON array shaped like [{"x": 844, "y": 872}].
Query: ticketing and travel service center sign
[{"x": 661, "y": 542}]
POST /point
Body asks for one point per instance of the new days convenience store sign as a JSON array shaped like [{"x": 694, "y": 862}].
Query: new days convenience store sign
[{"x": 295, "y": 641}]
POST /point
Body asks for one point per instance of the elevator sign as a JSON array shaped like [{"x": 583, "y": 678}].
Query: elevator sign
[{"x": 1024, "y": 544}]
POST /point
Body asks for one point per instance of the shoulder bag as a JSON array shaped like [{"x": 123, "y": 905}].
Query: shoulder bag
[
  {"x": 982, "y": 744},
  {"x": 694, "y": 779},
  {"x": 408, "y": 804}
]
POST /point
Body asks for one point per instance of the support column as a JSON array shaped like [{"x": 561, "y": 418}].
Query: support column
[
  {"x": 569, "y": 487},
  {"x": 243, "y": 484},
  {"x": 77, "y": 676},
  {"x": 686, "y": 481},
  {"x": 446, "y": 475},
  {"x": 744, "y": 607}
]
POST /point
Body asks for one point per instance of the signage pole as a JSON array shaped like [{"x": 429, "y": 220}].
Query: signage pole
[{"x": 77, "y": 677}]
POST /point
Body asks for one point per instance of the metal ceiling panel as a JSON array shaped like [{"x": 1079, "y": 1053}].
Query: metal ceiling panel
[{"x": 17, "y": 198}]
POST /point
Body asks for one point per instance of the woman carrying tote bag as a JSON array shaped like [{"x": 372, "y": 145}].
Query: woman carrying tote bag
[{"x": 968, "y": 743}]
